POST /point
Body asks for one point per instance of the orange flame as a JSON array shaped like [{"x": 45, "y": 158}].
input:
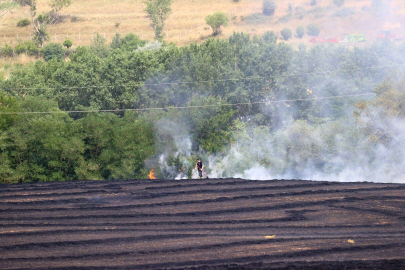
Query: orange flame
[{"x": 151, "y": 175}]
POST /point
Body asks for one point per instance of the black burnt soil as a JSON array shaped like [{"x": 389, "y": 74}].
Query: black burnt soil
[{"x": 202, "y": 224}]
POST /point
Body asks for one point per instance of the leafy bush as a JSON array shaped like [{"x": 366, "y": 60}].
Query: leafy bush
[
  {"x": 31, "y": 48},
  {"x": 99, "y": 47},
  {"x": 43, "y": 18},
  {"x": 7, "y": 51},
  {"x": 313, "y": 3},
  {"x": 339, "y": 3},
  {"x": 67, "y": 43},
  {"x": 343, "y": 13},
  {"x": 286, "y": 33},
  {"x": 300, "y": 30},
  {"x": 20, "y": 48},
  {"x": 216, "y": 20},
  {"x": 313, "y": 29},
  {"x": 269, "y": 37},
  {"x": 269, "y": 7},
  {"x": 23, "y": 23},
  {"x": 27, "y": 47},
  {"x": 129, "y": 43},
  {"x": 53, "y": 51}
]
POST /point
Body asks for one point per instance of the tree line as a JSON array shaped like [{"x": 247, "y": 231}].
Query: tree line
[{"x": 130, "y": 73}]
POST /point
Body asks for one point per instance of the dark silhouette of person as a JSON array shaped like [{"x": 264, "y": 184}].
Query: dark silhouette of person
[{"x": 200, "y": 167}]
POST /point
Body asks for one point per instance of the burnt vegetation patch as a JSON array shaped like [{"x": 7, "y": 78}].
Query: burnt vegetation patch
[{"x": 204, "y": 224}]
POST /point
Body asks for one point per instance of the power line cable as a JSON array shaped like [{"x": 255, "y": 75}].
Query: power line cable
[
  {"x": 198, "y": 82},
  {"x": 190, "y": 107}
]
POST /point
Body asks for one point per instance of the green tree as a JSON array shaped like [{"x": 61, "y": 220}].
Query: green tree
[
  {"x": 130, "y": 42},
  {"x": 286, "y": 33},
  {"x": 53, "y": 51},
  {"x": 67, "y": 43},
  {"x": 8, "y": 105},
  {"x": 116, "y": 147},
  {"x": 42, "y": 147},
  {"x": 99, "y": 46},
  {"x": 217, "y": 20},
  {"x": 269, "y": 7},
  {"x": 40, "y": 25},
  {"x": 212, "y": 126},
  {"x": 377, "y": 118},
  {"x": 158, "y": 11},
  {"x": 27, "y": 47},
  {"x": 300, "y": 30}
]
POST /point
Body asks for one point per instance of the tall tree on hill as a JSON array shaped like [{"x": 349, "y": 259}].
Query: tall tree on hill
[
  {"x": 41, "y": 22},
  {"x": 158, "y": 11}
]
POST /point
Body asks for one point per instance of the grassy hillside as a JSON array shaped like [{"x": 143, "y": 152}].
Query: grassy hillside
[{"x": 84, "y": 18}]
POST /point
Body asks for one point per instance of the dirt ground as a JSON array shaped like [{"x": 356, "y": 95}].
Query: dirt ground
[{"x": 202, "y": 224}]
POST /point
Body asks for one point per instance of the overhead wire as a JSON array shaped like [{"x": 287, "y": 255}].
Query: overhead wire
[
  {"x": 189, "y": 107},
  {"x": 195, "y": 82}
]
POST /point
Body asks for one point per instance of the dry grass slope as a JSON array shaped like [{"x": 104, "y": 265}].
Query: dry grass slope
[
  {"x": 85, "y": 18},
  {"x": 187, "y": 24}
]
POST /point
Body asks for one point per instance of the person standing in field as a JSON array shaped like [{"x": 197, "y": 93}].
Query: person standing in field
[{"x": 200, "y": 167}]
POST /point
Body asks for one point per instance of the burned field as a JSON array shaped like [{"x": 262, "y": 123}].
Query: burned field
[{"x": 207, "y": 224}]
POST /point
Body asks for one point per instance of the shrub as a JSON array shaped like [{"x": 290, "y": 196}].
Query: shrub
[
  {"x": 31, "y": 48},
  {"x": 53, "y": 51},
  {"x": 67, "y": 43},
  {"x": 286, "y": 33},
  {"x": 313, "y": 29},
  {"x": 7, "y": 51},
  {"x": 27, "y": 47},
  {"x": 269, "y": 37},
  {"x": 236, "y": 1},
  {"x": 339, "y": 3},
  {"x": 128, "y": 43},
  {"x": 99, "y": 47},
  {"x": 216, "y": 20},
  {"x": 313, "y": 3},
  {"x": 300, "y": 30},
  {"x": 269, "y": 7},
  {"x": 43, "y": 18},
  {"x": 23, "y": 23}
]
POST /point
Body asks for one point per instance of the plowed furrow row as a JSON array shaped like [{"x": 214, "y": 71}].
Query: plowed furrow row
[{"x": 152, "y": 224}]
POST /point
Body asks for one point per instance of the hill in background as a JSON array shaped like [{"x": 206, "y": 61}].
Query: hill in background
[{"x": 83, "y": 19}]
